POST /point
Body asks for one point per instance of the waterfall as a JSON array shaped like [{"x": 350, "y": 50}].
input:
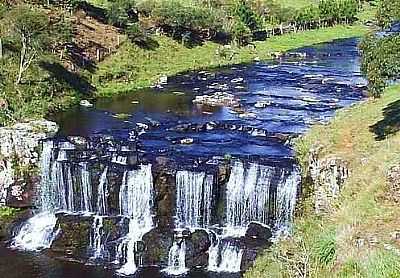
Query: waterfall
[
  {"x": 194, "y": 199},
  {"x": 255, "y": 193},
  {"x": 136, "y": 199},
  {"x": 37, "y": 233},
  {"x": 248, "y": 195},
  {"x": 176, "y": 259},
  {"x": 286, "y": 200},
  {"x": 231, "y": 258},
  {"x": 86, "y": 187},
  {"x": 96, "y": 239},
  {"x": 102, "y": 193}
]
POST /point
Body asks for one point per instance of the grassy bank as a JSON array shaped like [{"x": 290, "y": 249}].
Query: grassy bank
[
  {"x": 133, "y": 67},
  {"x": 357, "y": 239}
]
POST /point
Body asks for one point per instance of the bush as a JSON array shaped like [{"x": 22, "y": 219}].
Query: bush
[
  {"x": 241, "y": 33},
  {"x": 121, "y": 13},
  {"x": 247, "y": 16},
  {"x": 179, "y": 20}
]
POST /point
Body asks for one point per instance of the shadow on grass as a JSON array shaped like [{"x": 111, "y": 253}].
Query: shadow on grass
[
  {"x": 74, "y": 80},
  {"x": 390, "y": 124}
]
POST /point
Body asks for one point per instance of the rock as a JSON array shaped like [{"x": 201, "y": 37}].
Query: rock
[
  {"x": 78, "y": 141},
  {"x": 19, "y": 159},
  {"x": 197, "y": 249},
  {"x": 157, "y": 243},
  {"x": 393, "y": 184},
  {"x": 73, "y": 238},
  {"x": 164, "y": 185},
  {"x": 163, "y": 80},
  {"x": 262, "y": 104},
  {"x": 258, "y": 231},
  {"x": 327, "y": 176},
  {"x": 85, "y": 103},
  {"x": 187, "y": 141}
]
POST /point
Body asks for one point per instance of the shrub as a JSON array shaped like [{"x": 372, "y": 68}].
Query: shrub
[
  {"x": 121, "y": 13},
  {"x": 241, "y": 33}
]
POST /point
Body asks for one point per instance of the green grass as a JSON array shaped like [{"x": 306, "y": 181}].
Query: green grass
[
  {"x": 297, "y": 4},
  {"x": 363, "y": 211},
  {"x": 132, "y": 67}
]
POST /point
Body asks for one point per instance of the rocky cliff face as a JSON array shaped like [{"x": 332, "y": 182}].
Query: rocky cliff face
[
  {"x": 327, "y": 175},
  {"x": 19, "y": 158}
]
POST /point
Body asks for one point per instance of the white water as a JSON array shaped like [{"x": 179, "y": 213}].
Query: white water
[
  {"x": 136, "y": 199},
  {"x": 96, "y": 239},
  {"x": 176, "y": 259},
  {"x": 194, "y": 199},
  {"x": 231, "y": 258},
  {"x": 102, "y": 192},
  {"x": 86, "y": 187},
  {"x": 37, "y": 233}
]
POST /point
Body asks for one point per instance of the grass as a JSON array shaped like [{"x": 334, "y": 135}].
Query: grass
[
  {"x": 364, "y": 211},
  {"x": 133, "y": 67}
]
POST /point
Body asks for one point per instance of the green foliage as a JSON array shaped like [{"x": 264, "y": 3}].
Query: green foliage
[
  {"x": 7, "y": 213},
  {"x": 178, "y": 19},
  {"x": 325, "y": 248},
  {"x": 388, "y": 12},
  {"x": 121, "y": 12},
  {"x": 380, "y": 61},
  {"x": 241, "y": 33},
  {"x": 385, "y": 264},
  {"x": 247, "y": 16}
]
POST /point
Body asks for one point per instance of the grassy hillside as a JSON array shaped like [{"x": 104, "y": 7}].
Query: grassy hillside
[
  {"x": 359, "y": 239},
  {"x": 133, "y": 67}
]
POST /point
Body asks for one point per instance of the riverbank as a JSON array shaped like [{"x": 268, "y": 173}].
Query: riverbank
[
  {"x": 133, "y": 68},
  {"x": 359, "y": 235}
]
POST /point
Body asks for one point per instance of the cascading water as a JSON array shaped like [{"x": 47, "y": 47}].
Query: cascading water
[
  {"x": 258, "y": 193},
  {"x": 96, "y": 239},
  {"x": 86, "y": 187},
  {"x": 177, "y": 258},
  {"x": 194, "y": 199},
  {"x": 136, "y": 199},
  {"x": 102, "y": 193},
  {"x": 39, "y": 231},
  {"x": 225, "y": 257}
]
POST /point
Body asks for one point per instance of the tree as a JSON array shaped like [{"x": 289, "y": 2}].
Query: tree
[
  {"x": 388, "y": 12},
  {"x": 29, "y": 29},
  {"x": 381, "y": 61}
]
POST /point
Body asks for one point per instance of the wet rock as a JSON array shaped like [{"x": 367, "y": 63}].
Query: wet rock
[
  {"x": 85, "y": 103},
  {"x": 78, "y": 141},
  {"x": 186, "y": 141},
  {"x": 217, "y": 99},
  {"x": 164, "y": 184},
  {"x": 157, "y": 243},
  {"x": 197, "y": 249},
  {"x": 258, "y": 231},
  {"x": 73, "y": 238},
  {"x": 19, "y": 159}
]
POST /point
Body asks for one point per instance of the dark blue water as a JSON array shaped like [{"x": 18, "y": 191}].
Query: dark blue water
[{"x": 301, "y": 91}]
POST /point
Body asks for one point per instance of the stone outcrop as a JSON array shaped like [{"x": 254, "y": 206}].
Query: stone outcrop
[
  {"x": 19, "y": 157},
  {"x": 393, "y": 185},
  {"x": 327, "y": 176}
]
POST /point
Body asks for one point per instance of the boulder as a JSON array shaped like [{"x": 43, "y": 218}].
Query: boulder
[
  {"x": 157, "y": 243},
  {"x": 197, "y": 249}
]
